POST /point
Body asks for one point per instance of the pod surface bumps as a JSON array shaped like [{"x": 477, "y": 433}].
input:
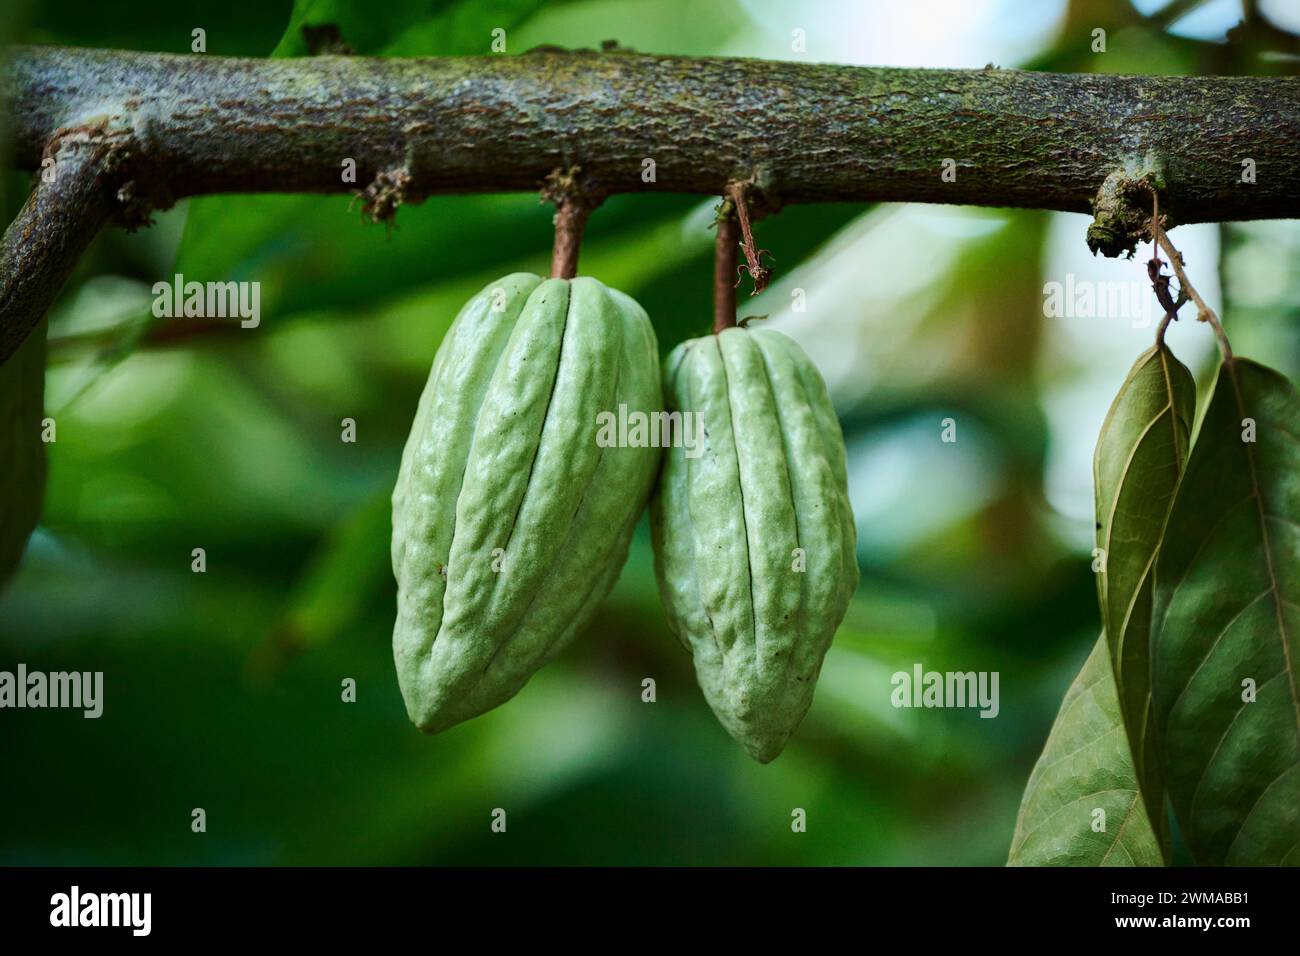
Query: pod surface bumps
[
  {"x": 731, "y": 523},
  {"x": 510, "y": 522}
]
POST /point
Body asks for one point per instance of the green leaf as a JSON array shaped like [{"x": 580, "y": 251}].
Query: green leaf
[
  {"x": 350, "y": 570},
  {"x": 22, "y": 453},
  {"x": 407, "y": 27},
  {"x": 1084, "y": 779},
  {"x": 1141, "y": 453},
  {"x": 1227, "y": 622}
]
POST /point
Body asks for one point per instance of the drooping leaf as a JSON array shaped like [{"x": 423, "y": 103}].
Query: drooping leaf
[
  {"x": 22, "y": 453},
  {"x": 1082, "y": 805},
  {"x": 1226, "y": 626},
  {"x": 1141, "y": 453}
]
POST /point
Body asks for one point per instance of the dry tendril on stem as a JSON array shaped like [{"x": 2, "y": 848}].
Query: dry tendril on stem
[
  {"x": 1159, "y": 281},
  {"x": 739, "y": 195},
  {"x": 1186, "y": 291}
]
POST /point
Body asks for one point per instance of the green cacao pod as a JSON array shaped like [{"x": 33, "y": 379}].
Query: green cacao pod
[
  {"x": 755, "y": 545},
  {"x": 511, "y": 521},
  {"x": 22, "y": 453}
]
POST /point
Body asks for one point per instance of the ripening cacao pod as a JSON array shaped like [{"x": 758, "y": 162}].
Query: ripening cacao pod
[
  {"x": 22, "y": 453},
  {"x": 755, "y": 545},
  {"x": 511, "y": 520}
]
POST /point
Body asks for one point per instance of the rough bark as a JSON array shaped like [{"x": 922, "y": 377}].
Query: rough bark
[
  {"x": 811, "y": 133},
  {"x": 60, "y": 218},
  {"x": 191, "y": 125}
]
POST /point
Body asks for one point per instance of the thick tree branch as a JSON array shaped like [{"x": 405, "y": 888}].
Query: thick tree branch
[
  {"x": 810, "y": 133},
  {"x": 61, "y": 217},
  {"x": 801, "y": 133}
]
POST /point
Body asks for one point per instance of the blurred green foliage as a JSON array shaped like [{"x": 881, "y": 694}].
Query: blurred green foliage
[{"x": 223, "y": 689}]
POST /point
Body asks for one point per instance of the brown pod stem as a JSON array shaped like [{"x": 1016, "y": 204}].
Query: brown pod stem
[
  {"x": 570, "y": 220},
  {"x": 724, "y": 271}
]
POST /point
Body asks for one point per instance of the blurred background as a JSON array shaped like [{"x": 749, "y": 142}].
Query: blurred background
[{"x": 222, "y": 689}]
